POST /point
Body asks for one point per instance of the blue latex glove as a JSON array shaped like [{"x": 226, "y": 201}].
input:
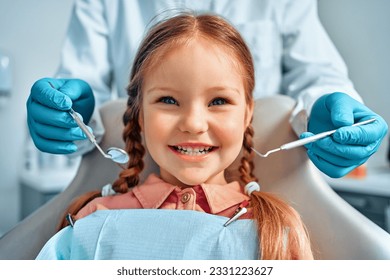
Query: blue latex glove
[
  {"x": 348, "y": 147},
  {"x": 52, "y": 128}
]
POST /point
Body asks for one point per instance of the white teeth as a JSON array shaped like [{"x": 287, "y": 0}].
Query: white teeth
[{"x": 193, "y": 151}]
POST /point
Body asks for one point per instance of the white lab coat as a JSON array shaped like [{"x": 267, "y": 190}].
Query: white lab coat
[{"x": 292, "y": 53}]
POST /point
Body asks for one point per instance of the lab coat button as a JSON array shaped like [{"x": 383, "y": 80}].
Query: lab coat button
[{"x": 185, "y": 198}]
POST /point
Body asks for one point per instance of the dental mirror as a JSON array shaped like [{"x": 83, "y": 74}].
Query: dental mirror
[
  {"x": 118, "y": 155},
  {"x": 115, "y": 154}
]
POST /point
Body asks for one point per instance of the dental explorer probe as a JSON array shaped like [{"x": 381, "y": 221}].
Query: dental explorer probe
[{"x": 306, "y": 140}]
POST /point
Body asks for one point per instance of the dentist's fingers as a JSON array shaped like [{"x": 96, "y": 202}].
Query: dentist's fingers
[
  {"x": 58, "y": 133},
  {"x": 328, "y": 168},
  {"x": 362, "y": 135},
  {"x": 344, "y": 151},
  {"x": 53, "y": 146},
  {"x": 45, "y": 115},
  {"x": 334, "y": 159},
  {"x": 43, "y": 93}
]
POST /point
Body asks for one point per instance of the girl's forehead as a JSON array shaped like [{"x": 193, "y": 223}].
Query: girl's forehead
[{"x": 200, "y": 48}]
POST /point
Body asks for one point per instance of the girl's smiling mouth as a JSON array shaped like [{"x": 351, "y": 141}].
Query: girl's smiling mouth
[{"x": 193, "y": 149}]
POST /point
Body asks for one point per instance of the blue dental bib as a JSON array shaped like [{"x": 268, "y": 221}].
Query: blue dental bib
[{"x": 146, "y": 234}]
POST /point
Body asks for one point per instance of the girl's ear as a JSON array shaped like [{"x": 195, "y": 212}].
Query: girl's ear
[{"x": 249, "y": 113}]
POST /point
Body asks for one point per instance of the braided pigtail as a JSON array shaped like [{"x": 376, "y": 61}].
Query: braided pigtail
[
  {"x": 246, "y": 167},
  {"x": 129, "y": 177},
  {"x": 282, "y": 234}
]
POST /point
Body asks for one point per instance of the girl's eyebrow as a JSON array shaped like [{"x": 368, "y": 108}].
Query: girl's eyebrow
[
  {"x": 161, "y": 89},
  {"x": 215, "y": 88},
  {"x": 224, "y": 88}
]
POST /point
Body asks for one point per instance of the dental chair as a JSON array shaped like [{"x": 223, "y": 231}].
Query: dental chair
[{"x": 337, "y": 230}]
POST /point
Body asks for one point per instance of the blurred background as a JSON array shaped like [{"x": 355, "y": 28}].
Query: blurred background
[{"x": 31, "y": 35}]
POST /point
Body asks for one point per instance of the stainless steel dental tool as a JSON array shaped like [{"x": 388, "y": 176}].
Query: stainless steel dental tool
[
  {"x": 115, "y": 154},
  {"x": 307, "y": 140}
]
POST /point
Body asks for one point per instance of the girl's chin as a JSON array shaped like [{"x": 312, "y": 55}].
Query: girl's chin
[
  {"x": 191, "y": 176},
  {"x": 185, "y": 180},
  {"x": 193, "y": 179}
]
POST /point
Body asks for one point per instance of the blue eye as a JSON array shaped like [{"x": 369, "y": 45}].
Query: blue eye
[
  {"x": 218, "y": 101},
  {"x": 168, "y": 100}
]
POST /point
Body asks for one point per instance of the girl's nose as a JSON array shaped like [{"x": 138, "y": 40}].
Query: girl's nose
[{"x": 193, "y": 121}]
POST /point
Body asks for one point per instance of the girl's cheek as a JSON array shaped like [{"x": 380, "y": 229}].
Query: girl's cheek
[
  {"x": 233, "y": 123},
  {"x": 232, "y": 131}
]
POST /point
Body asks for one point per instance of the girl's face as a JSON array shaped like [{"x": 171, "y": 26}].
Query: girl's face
[{"x": 194, "y": 113}]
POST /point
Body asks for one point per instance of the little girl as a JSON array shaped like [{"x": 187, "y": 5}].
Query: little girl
[{"x": 190, "y": 104}]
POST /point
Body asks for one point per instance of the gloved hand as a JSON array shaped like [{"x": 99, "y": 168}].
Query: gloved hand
[
  {"x": 348, "y": 147},
  {"x": 52, "y": 128}
]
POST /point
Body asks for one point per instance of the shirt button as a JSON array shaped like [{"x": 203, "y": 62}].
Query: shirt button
[{"x": 185, "y": 198}]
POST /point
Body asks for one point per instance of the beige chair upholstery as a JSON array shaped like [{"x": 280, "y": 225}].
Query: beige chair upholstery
[{"x": 337, "y": 230}]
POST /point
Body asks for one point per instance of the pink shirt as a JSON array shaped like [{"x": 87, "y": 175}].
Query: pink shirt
[{"x": 154, "y": 193}]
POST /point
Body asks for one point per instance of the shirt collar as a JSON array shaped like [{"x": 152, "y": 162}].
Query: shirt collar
[
  {"x": 222, "y": 197},
  {"x": 154, "y": 191}
]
